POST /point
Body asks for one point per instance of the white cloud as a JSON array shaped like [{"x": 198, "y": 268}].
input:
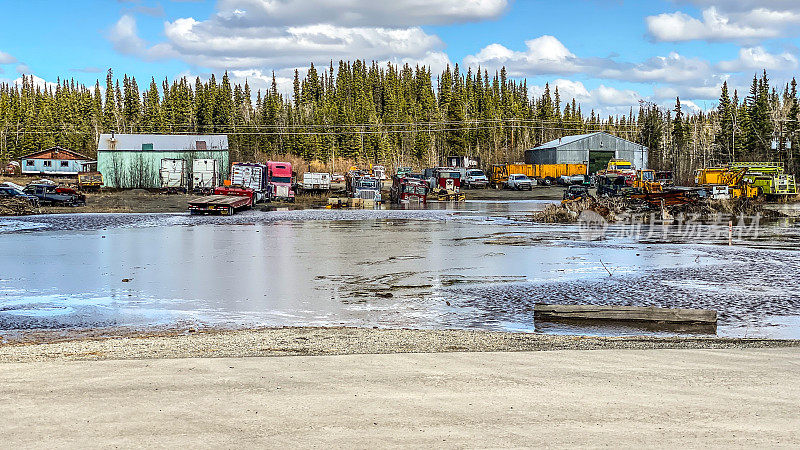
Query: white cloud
[
  {"x": 711, "y": 92},
  {"x": 547, "y": 55},
  {"x": 5, "y": 58},
  {"x": 258, "y": 34},
  {"x": 673, "y": 68},
  {"x": 125, "y": 38},
  {"x": 36, "y": 81},
  {"x": 603, "y": 99},
  {"x": 357, "y": 13},
  {"x": 206, "y": 45},
  {"x": 756, "y": 58},
  {"x": 544, "y": 55},
  {"x": 728, "y": 21}
]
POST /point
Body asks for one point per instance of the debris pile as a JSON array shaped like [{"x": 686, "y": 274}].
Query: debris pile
[
  {"x": 613, "y": 209},
  {"x": 16, "y": 207},
  {"x": 569, "y": 212}
]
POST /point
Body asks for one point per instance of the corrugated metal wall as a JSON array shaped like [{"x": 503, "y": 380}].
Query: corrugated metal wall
[
  {"x": 578, "y": 152},
  {"x": 140, "y": 169}
]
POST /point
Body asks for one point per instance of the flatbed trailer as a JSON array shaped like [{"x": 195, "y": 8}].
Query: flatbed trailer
[{"x": 225, "y": 205}]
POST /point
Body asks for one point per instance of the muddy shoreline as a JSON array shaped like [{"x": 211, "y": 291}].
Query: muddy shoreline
[
  {"x": 314, "y": 341},
  {"x": 144, "y": 201}
]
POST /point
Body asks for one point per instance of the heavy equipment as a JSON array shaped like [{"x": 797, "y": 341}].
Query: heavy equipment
[
  {"x": 646, "y": 182},
  {"x": 768, "y": 177},
  {"x": 734, "y": 179}
]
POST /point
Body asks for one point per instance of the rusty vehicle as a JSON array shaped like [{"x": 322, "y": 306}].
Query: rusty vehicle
[{"x": 406, "y": 189}]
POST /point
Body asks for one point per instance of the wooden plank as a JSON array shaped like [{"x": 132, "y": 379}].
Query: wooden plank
[{"x": 625, "y": 313}]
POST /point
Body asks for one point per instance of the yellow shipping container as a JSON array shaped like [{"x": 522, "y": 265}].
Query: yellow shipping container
[
  {"x": 558, "y": 170},
  {"x": 499, "y": 173}
]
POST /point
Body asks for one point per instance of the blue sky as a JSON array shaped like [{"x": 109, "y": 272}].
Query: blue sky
[{"x": 607, "y": 54}]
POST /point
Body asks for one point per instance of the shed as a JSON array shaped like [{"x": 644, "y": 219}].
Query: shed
[
  {"x": 54, "y": 161},
  {"x": 594, "y": 149},
  {"x": 134, "y": 160}
]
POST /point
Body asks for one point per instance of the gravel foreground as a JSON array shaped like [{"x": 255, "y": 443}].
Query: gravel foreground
[{"x": 334, "y": 341}]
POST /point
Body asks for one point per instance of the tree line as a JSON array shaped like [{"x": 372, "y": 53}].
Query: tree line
[{"x": 395, "y": 115}]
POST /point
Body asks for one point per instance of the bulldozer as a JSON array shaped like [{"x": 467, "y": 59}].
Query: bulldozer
[{"x": 646, "y": 182}]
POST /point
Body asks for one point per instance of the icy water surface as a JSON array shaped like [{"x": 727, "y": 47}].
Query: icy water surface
[{"x": 480, "y": 266}]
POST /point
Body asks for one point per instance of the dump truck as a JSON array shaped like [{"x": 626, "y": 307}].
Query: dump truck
[
  {"x": 90, "y": 181},
  {"x": 544, "y": 174},
  {"x": 622, "y": 168}
]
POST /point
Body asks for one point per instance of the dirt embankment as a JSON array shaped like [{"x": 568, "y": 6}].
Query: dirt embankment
[{"x": 16, "y": 207}]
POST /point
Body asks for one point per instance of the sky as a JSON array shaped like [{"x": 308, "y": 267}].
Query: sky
[{"x": 609, "y": 55}]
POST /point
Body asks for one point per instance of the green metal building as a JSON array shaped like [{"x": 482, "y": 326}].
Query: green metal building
[{"x": 135, "y": 160}]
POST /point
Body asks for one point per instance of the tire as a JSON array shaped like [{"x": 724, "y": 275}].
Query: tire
[{"x": 548, "y": 181}]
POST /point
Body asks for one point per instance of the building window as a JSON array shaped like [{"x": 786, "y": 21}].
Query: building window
[
  {"x": 48, "y": 163},
  {"x": 200, "y": 145},
  {"x": 147, "y": 146},
  {"x": 29, "y": 162},
  {"x": 64, "y": 163}
]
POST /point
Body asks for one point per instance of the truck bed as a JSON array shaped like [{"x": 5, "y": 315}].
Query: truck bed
[{"x": 220, "y": 204}]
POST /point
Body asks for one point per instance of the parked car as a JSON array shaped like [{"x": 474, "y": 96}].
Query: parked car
[
  {"x": 518, "y": 181},
  {"x": 475, "y": 178},
  {"x": 52, "y": 194},
  {"x": 12, "y": 192},
  {"x": 13, "y": 185}
]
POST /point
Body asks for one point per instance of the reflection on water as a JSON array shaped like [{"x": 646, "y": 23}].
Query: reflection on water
[{"x": 478, "y": 266}]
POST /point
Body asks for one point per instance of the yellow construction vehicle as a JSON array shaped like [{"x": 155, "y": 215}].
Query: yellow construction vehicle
[
  {"x": 646, "y": 182},
  {"x": 733, "y": 179}
]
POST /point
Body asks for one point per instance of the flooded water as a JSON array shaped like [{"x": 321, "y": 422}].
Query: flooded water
[{"x": 483, "y": 265}]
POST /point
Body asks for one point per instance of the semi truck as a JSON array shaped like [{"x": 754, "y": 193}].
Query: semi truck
[
  {"x": 251, "y": 176},
  {"x": 279, "y": 181},
  {"x": 408, "y": 190},
  {"x": 363, "y": 186}
]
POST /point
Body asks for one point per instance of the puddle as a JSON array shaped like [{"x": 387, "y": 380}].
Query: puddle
[{"x": 472, "y": 267}]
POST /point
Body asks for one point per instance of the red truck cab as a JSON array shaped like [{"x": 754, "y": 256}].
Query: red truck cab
[
  {"x": 446, "y": 178},
  {"x": 279, "y": 179},
  {"x": 408, "y": 190}
]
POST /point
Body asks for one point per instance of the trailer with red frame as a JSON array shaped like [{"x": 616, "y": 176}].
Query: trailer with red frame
[{"x": 226, "y": 201}]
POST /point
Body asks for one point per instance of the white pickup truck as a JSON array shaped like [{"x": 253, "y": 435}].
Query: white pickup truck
[{"x": 518, "y": 181}]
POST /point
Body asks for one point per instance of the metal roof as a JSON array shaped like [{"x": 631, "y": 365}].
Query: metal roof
[
  {"x": 565, "y": 140},
  {"x": 55, "y": 149},
  {"x": 162, "y": 142}
]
